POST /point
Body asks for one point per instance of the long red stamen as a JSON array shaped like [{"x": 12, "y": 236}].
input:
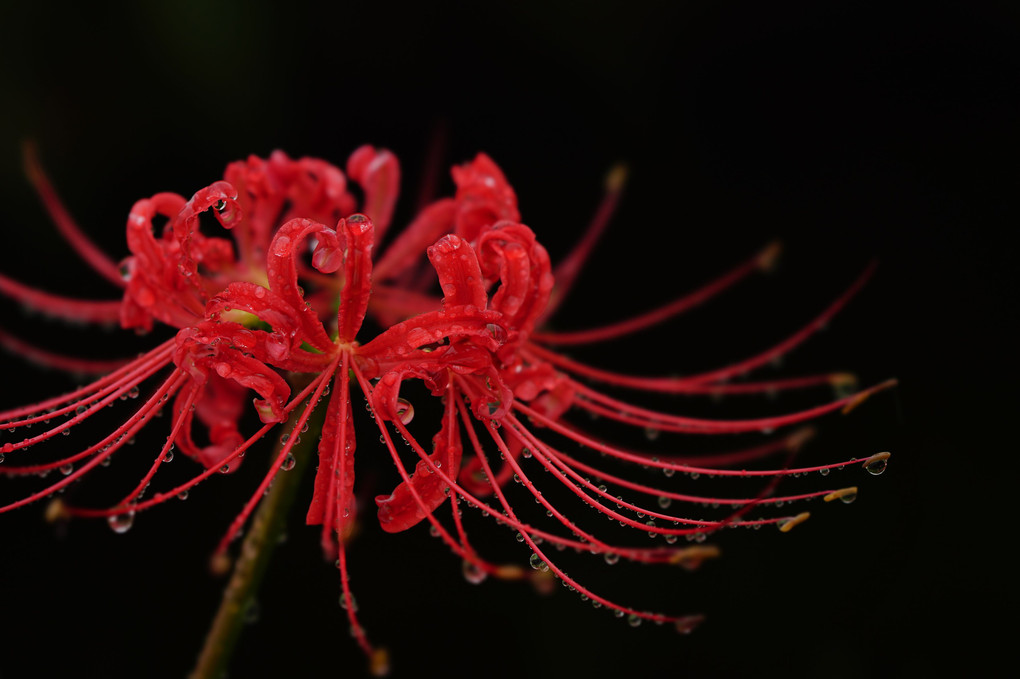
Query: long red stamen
[
  {"x": 48, "y": 359},
  {"x": 81, "y": 243},
  {"x": 618, "y": 453},
  {"x": 66, "y": 308},
  {"x": 762, "y": 260},
  {"x": 621, "y": 411},
  {"x": 105, "y": 448},
  {"x": 567, "y": 270}
]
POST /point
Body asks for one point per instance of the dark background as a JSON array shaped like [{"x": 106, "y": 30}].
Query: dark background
[{"x": 849, "y": 130}]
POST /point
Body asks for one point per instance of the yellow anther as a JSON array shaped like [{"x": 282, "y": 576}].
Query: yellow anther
[
  {"x": 379, "y": 662},
  {"x": 57, "y": 511},
  {"x": 220, "y": 564},
  {"x": 845, "y": 494},
  {"x": 786, "y": 525},
  {"x": 510, "y": 572},
  {"x": 796, "y": 440},
  {"x": 767, "y": 258},
  {"x": 692, "y": 557},
  {"x": 616, "y": 178}
]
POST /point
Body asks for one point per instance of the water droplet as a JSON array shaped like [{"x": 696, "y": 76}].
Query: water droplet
[
  {"x": 474, "y": 573},
  {"x": 80, "y": 410},
  {"x": 611, "y": 558},
  {"x": 288, "y": 463},
  {"x": 348, "y": 602},
  {"x": 538, "y": 564},
  {"x": 876, "y": 464},
  {"x": 665, "y": 502},
  {"x": 169, "y": 457},
  {"x": 121, "y": 523},
  {"x": 183, "y": 495},
  {"x": 634, "y": 620}
]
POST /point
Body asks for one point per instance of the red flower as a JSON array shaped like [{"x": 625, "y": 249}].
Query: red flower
[{"x": 288, "y": 295}]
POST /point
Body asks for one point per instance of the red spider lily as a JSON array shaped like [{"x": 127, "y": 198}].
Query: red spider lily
[{"x": 289, "y": 295}]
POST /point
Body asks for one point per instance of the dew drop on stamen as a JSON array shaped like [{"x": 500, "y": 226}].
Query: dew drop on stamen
[
  {"x": 474, "y": 573},
  {"x": 169, "y": 457},
  {"x": 121, "y": 523},
  {"x": 348, "y": 603},
  {"x": 288, "y": 463},
  {"x": 876, "y": 464},
  {"x": 634, "y": 620},
  {"x": 611, "y": 558},
  {"x": 665, "y": 502},
  {"x": 538, "y": 564},
  {"x": 183, "y": 495},
  {"x": 80, "y": 410}
]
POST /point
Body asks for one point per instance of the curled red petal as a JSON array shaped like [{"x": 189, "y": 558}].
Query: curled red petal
[
  {"x": 511, "y": 252},
  {"x": 218, "y": 406},
  {"x": 359, "y": 236},
  {"x": 401, "y": 510},
  {"x": 459, "y": 274},
  {"x": 484, "y": 197},
  {"x": 282, "y": 270},
  {"x": 336, "y": 442},
  {"x": 378, "y": 171}
]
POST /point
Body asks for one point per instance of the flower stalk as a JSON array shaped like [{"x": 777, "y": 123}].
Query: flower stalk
[{"x": 267, "y": 529}]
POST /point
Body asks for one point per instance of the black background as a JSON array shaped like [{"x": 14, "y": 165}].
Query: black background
[{"x": 849, "y": 130}]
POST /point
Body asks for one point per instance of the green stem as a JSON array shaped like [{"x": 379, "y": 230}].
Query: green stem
[{"x": 266, "y": 529}]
